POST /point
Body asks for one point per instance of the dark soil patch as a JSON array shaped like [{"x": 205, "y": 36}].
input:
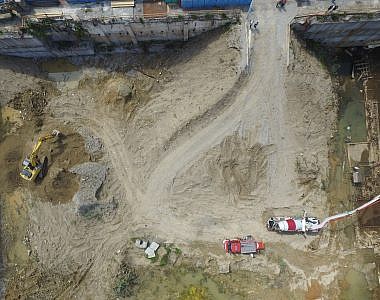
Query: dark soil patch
[
  {"x": 59, "y": 185},
  {"x": 32, "y": 102}
]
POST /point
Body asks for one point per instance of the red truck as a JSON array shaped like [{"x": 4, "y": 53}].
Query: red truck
[{"x": 246, "y": 245}]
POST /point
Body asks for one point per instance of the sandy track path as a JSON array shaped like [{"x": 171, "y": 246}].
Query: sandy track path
[{"x": 260, "y": 105}]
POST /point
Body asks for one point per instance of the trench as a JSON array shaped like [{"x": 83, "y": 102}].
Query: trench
[{"x": 342, "y": 193}]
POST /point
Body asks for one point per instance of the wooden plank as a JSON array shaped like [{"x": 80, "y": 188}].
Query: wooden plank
[{"x": 120, "y": 4}]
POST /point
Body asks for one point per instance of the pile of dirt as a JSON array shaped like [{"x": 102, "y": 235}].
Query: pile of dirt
[
  {"x": 117, "y": 90},
  {"x": 237, "y": 166},
  {"x": 32, "y": 102},
  {"x": 126, "y": 92}
]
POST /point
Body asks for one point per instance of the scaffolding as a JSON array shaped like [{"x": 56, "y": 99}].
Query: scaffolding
[{"x": 362, "y": 70}]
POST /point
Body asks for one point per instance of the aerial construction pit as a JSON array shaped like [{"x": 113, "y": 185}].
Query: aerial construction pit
[{"x": 174, "y": 145}]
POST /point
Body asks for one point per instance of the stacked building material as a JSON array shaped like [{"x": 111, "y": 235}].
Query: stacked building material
[{"x": 125, "y": 3}]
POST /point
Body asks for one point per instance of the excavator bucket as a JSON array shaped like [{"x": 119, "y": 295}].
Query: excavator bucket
[{"x": 56, "y": 132}]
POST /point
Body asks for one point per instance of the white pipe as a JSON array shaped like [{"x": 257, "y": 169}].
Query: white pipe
[{"x": 345, "y": 214}]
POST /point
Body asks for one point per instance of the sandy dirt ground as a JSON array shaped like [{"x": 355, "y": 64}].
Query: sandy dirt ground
[{"x": 194, "y": 151}]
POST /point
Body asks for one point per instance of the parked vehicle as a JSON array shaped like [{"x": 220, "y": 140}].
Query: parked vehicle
[
  {"x": 293, "y": 224},
  {"x": 311, "y": 224},
  {"x": 246, "y": 245}
]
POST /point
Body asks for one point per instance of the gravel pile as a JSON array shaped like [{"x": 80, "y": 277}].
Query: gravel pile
[
  {"x": 93, "y": 145},
  {"x": 92, "y": 177}
]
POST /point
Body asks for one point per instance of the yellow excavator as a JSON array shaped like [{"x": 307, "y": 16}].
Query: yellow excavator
[{"x": 32, "y": 167}]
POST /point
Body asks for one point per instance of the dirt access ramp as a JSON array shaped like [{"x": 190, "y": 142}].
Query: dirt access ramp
[{"x": 124, "y": 124}]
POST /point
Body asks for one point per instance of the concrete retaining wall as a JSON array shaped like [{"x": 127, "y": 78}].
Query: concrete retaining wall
[
  {"x": 108, "y": 34},
  {"x": 340, "y": 30}
]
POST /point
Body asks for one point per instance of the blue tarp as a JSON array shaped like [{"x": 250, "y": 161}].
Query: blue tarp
[{"x": 194, "y": 4}]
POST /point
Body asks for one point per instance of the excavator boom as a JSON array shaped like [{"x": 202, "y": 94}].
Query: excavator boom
[{"x": 33, "y": 156}]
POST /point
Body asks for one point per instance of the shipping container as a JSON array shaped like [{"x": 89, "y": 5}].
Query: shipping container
[
  {"x": 200, "y": 4},
  {"x": 43, "y": 3}
]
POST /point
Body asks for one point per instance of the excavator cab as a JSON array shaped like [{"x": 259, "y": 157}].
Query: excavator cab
[{"x": 32, "y": 167}]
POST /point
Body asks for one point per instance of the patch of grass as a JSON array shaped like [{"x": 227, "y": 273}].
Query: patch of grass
[
  {"x": 126, "y": 280},
  {"x": 282, "y": 264},
  {"x": 177, "y": 251},
  {"x": 154, "y": 259},
  {"x": 165, "y": 258}
]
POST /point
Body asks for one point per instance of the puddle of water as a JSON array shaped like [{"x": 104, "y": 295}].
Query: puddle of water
[
  {"x": 352, "y": 124},
  {"x": 355, "y": 286},
  {"x": 182, "y": 284},
  {"x": 352, "y": 112},
  {"x": 352, "y": 127}
]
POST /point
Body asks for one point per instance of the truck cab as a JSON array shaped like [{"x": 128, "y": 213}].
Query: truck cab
[{"x": 246, "y": 245}]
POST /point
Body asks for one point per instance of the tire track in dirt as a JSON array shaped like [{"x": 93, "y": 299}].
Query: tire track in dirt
[
  {"x": 214, "y": 129},
  {"x": 184, "y": 147},
  {"x": 104, "y": 127},
  {"x": 202, "y": 120},
  {"x": 251, "y": 105},
  {"x": 247, "y": 101},
  {"x": 96, "y": 244}
]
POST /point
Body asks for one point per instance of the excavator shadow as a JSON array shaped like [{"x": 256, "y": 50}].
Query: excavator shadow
[{"x": 43, "y": 172}]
